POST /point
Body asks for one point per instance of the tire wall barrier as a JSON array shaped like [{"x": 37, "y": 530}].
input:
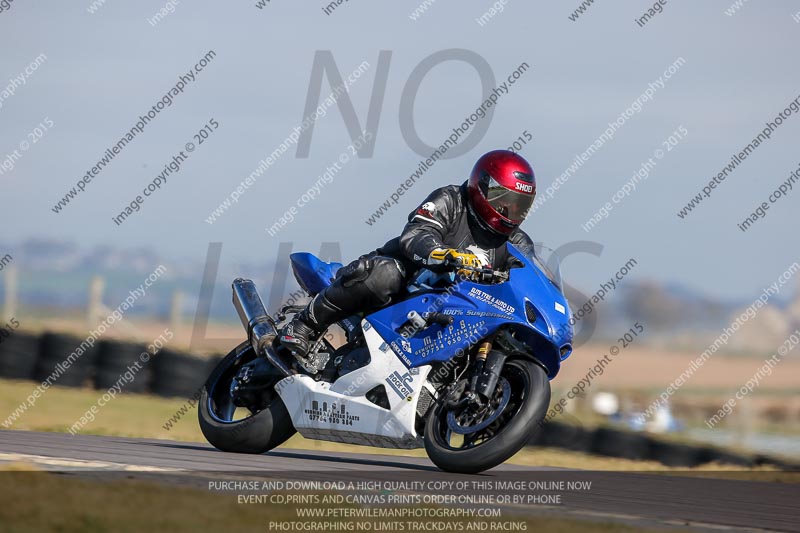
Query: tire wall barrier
[
  {"x": 50, "y": 355},
  {"x": 178, "y": 374},
  {"x": 18, "y": 355},
  {"x": 632, "y": 445}
]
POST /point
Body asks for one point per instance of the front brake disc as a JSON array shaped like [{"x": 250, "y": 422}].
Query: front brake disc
[{"x": 456, "y": 427}]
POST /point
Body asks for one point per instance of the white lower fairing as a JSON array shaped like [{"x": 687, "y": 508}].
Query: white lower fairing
[{"x": 340, "y": 412}]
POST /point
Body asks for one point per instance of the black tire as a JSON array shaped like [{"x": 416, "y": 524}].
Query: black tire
[
  {"x": 533, "y": 403},
  {"x": 677, "y": 455},
  {"x": 212, "y": 362},
  {"x": 113, "y": 360},
  {"x": 18, "y": 355},
  {"x": 714, "y": 455},
  {"x": 257, "y": 433},
  {"x": 177, "y": 374},
  {"x": 55, "y": 349},
  {"x": 616, "y": 443},
  {"x": 561, "y": 435}
]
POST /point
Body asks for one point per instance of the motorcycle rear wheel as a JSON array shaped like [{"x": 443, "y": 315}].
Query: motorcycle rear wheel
[
  {"x": 519, "y": 420},
  {"x": 259, "y": 432}
]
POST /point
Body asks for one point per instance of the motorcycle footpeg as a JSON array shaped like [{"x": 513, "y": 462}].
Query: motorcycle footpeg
[
  {"x": 438, "y": 318},
  {"x": 313, "y": 363}
]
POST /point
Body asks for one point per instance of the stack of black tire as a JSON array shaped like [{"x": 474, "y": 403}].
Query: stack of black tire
[
  {"x": 55, "y": 358},
  {"x": 115, "y": 359},
  {"x": 18, "y": 355},
  {"x": 611, "y": 442},
  {"x": 108, "y": 363},
  {"x": 179, "y": 374}
]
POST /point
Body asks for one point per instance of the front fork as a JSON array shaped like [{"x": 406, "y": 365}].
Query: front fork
[{"x": 480, "y": 386}]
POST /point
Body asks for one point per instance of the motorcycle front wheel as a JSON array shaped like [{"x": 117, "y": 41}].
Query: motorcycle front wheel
[
  {"x": 468, "y": 441},
  {"x": 222, "y": 422}
]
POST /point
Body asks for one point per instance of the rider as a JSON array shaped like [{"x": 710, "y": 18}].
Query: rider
[{"x": 455, "y": 225}]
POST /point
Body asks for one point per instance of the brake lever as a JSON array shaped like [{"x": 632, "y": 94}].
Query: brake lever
[
  {"x": 488, "y": 274},
  {"x": 500, "y": 274},
  {"x": 484, "y": 274}
]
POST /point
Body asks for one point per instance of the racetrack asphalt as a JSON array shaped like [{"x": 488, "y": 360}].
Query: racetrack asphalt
[{"x": 643, "y": 498}]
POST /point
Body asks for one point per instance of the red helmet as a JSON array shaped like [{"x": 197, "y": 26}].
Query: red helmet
[{"x": 501, "y": 190}]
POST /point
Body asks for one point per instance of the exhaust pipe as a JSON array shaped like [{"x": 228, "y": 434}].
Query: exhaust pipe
[{"x": 260, "y": 327}]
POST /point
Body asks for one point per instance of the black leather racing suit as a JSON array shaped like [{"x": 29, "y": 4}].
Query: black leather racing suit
[{"x": 444, "y": 220}]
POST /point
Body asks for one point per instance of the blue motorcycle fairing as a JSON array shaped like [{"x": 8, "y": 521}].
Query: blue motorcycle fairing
[
  {"x": 477, "y": 310},
  {"x": 312, "y": 273}
]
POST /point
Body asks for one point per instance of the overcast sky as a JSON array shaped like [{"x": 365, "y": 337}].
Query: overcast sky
[{"x": 104, "y": 69}]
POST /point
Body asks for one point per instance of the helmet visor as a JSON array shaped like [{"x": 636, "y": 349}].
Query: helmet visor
[{"x": 513, "y": 205}]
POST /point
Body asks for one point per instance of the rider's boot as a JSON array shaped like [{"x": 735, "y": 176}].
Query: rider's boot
[
  {"x": 367, "y": 283},
  {"x": 307, "y": 325}
]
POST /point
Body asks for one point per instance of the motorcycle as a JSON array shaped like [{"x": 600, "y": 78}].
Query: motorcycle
[{"x": 460, "y": 366}]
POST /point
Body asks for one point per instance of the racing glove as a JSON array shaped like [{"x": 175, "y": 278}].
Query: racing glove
[{"x": 457, "y": 259}]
